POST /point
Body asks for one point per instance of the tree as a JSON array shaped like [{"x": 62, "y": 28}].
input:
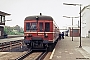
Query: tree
[{"x": 16, "y": 30}]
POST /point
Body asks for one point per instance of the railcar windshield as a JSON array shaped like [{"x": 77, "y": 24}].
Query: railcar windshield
[{"x": 31, "y": 27}]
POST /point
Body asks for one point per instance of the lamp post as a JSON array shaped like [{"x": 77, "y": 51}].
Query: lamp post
[
  {"x": 80, "y": 27},
  {"x": 72, "y": 24},
  {"x": 80, "y": 18}
]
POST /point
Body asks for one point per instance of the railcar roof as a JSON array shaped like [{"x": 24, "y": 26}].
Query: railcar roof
[{"x": 40, "y": 18}]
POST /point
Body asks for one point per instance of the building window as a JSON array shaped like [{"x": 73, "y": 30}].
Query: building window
[
  {"x": 3, "y": 19},
  {"x": 0, "y": 33},
  {"x": 0, "y": 19},
  {"x": 88, "y": 31},
  {"x": 75, "y": 30}
]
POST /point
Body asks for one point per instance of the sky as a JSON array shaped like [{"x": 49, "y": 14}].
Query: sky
[{"x": 19, "y": 9}]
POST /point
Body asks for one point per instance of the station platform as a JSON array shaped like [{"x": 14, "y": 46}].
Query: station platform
[
  {"x": 11, "y": 39},
  {"x": 66, "y": 49}
]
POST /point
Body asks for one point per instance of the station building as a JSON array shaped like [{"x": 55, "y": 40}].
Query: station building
[
  {"x": 85, "y": 24},
  {"x": 76, "y": 32},
  {"x": 2, "y": 23}
]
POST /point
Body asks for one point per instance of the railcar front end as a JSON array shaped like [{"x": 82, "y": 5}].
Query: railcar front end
[{"x": 40, "y": 32}]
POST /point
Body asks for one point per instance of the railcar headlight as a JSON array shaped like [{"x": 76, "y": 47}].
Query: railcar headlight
[
  {"x": 24, "y": 36},
  {"x": 46, "y": 35},
  {"x": 29, "y": 35}
]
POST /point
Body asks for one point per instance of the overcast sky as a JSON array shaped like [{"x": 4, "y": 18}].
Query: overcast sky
[{"x": 19, "y": 9}]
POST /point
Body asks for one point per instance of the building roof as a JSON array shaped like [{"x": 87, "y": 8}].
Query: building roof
[
  {"x": 84, "y": 8},
  {"x": 3, "y": 13},
  {"x": 39, "y": 18}
]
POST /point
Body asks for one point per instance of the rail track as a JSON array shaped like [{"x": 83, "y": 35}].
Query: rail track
[
  {"x": 30, "y": 55},
  {"x": 13, "y": 36},
  {"x": 42, "y": 56},
  {"x": 24, "y": 55},
  {"x": 9, "y": 45}
]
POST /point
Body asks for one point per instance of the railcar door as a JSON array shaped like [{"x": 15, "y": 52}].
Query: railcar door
[
  {"x": 41, "y": 29},
  {"x": 47, "y": 27},
  {"x": 47, "y": 30}
]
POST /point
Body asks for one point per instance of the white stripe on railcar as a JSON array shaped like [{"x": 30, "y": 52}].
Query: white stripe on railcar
[{"x": 39, "y": 32}]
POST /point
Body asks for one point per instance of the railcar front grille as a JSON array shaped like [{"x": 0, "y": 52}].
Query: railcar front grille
[{"x": 36, "y": 38}]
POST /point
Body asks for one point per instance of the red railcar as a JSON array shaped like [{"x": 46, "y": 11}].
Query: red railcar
[{"x": 40, "y": 32}]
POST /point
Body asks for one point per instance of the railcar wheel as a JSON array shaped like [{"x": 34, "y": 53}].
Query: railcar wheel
[
  {"x": 50, "y": 47},
  {"x": 28, "y": 46}
]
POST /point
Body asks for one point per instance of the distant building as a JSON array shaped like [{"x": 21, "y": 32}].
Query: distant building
[
  {"x": 85, "y": 24},
  {"x": 76, "y": 32},
  {"x": 2, "y": 23},
  {"x": 68, "y": 31}
]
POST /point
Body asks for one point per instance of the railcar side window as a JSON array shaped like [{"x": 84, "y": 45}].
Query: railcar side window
[
  {"x": 27, "y": 27},
  {"x": 47, "y": 27},
  {"x": 41, "y": 27}
]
